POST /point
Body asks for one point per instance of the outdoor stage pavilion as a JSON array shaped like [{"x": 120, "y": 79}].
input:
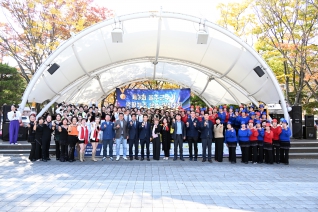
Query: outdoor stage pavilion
[{"x": 156, "y": 45}]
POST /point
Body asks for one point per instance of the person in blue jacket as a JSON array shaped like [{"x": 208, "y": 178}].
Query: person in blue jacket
[
  {"x": 237, "y": 123},
  {"x": 108, "y": 137},
  {"x": 221, "y": 114},
  {"x": 231, "y": 141},
  {"x": 260, "y": 141},
  {"x": 206, "y": 127},
  {"x": 284, "y": 138},
  {"x": 244, "y": 141},
  {"x": 244, "y": 117}
]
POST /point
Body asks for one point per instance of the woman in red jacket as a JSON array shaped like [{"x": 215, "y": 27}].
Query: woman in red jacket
[
  {"x": 277, "y": 130},
  {"x": 268, "y": 146},
  {"x": 253, "y": 141}
]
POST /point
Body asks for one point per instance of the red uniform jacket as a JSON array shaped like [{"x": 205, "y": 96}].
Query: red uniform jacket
[
  {"x": 227, "y": 117},
  {"x": 254, "y": 135},
  {"x": 268, "y": 137},
  {"x": 213, "y": 117},
  {"x": 276, "y": 132},
  {"x": 184, "y": 119}
]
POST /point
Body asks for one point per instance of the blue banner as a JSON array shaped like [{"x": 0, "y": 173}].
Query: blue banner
[{"x": 138, "y": 98}]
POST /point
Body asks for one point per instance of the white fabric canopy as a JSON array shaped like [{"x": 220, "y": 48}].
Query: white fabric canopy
[{"x": 156, "y": 46}]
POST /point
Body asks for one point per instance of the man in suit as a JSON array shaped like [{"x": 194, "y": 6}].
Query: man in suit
[
  {"x": 108, "y": 137},
  {"x": 121, "y": 136},
  {"x": 206, "y": 126},
  {"x": 133, "y": 139},
  {"x": 193, "y": 126},
  {"x": 144, "y": 136},
  {"x": 179, "y": 134}
]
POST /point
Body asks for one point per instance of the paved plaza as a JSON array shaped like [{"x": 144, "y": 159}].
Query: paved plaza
[{"x": 157, "y": 186}]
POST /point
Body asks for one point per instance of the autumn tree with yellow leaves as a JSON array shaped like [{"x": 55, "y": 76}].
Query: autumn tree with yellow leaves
[{"x": 33, "y": 29}]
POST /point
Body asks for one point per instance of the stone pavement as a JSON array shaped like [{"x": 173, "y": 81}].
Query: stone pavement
[{"x": 157, "y": 186}]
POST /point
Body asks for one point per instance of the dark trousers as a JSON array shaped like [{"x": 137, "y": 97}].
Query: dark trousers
[
  {"x": 178, "y": 141},
  {"x": 232, "y": 154},
  {"x": 109, "y": 143},
  {"x": 72, "y": 140},
  {"x": 260, "y": 154},
  {"x": 45, "y": 147},
  {"x": 207, "y": 142},
  {"x": 268, "y": 156},
  {"x": 193, "y": 141},
  {"x": 57, "y": 149},
  {"x": 32, "y": 152},
  {"x": 156, "y": 148},
  {"x": 135, "y": 143},
  {"x": 142, "y": 144},
  {"x": 167, "y": 153},
  {"x": 219, "y": 143},
  {"x": 284, "y": 153},
  {"x": 245, "y": 151},
  {"x": 63, "y": 156},
  {"x": 255, "y": 155},
  {"x": 38, "y": 149},
  {"x": 276, "y": 154}
]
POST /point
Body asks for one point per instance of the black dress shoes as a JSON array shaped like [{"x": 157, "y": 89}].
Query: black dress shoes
[
  {"x": 136, "y": 158},
  {"x": 182, "y": 159},
  {"x": 210, "y": 161},
  {"x": 195, "y": 159},
  {"x": 203, "y": 160},
  {"x": 174, "y": 159},
  {"x": 142, "y": 159},
  {"x": 148, "y": 159}
]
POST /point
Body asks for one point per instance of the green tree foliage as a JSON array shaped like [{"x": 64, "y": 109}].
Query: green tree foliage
[{"x": 12, "y": 85}]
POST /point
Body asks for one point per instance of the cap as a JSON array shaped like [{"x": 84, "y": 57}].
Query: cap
[
  {"x": 224, "y": 106},
  {"x": 251, "y": 106},
  {"x": 275, "y": 120},
  {"x": 264, "y": 113},
  {"x": 243, "y": 111},
  {"x": 268, "y": 124},
  {"x": 236, "y": 110},
  {"x": 284, "y": 121},
  {"x": 261, "y": 106},
  {"x": 221, "y": 107},
  {"x": 229, "y": 122},
  {"x": 258, "y": 113},
  {"x": 252, "y": 113},
  {"x": 281, "y": 119},
  {"x": 242, "y": 122},
  {"x": 250, "y": 121},
  {"x": 210, "y": 109},
  {"x": 257, "y": 122}
]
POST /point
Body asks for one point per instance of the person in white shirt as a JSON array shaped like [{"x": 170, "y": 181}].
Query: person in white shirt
[{"x": 15, "y": 118}]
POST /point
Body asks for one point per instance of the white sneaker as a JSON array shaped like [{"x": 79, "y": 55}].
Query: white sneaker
[
  {"x": 104, "y": 158},
  {"x": 117, "y": 158},
  {"x": 125, "y": 158},
  {"x": 255, "y": 163},
  {"x": 111, "y": 158}
]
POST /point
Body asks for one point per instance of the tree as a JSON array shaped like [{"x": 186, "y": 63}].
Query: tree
[
  {"x": 290, "y": 28},
  {"x": 34, "y": 28},
  {"x": 11, "y": 85}
]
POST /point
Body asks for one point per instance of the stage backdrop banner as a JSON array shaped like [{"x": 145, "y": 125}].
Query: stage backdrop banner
[{"x": 145, "y": 98}]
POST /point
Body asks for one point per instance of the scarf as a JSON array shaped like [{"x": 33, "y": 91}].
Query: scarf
[
  {"x": 95, "y": 135},
  {"x": 84, "y": 133}
]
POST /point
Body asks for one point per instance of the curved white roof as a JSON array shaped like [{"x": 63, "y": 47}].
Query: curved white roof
[{"x": 92, "y": 66}]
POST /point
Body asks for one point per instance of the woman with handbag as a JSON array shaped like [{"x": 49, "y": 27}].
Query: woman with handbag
[{"x": 156, "y": 129}]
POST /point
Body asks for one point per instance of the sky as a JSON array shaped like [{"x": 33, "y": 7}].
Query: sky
[{"x": 200, "y": 8}]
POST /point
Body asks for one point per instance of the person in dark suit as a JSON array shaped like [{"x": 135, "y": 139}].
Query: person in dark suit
[
  {"x": 121, "y": 135},
  {"x": 193, "y": 135},
  {"x": 133, "y": 136},
  {"x": 179, "y": 134},
  {"x": 206, "y": 126},
  {"x": 144, "y": 136}
]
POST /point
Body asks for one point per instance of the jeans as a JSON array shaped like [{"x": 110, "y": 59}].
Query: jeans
[
  {"x": 110, "y": 143},
  {"x": 118, "y": 142}
]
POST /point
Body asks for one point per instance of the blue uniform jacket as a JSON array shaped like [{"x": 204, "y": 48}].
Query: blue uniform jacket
[{"x": 108, "y": 130}]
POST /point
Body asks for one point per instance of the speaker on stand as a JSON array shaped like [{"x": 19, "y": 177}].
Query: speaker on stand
[{"x": 297, "y": 122}]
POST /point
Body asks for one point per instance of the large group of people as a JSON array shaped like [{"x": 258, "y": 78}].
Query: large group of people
[{"x": 260, "y": 139}]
